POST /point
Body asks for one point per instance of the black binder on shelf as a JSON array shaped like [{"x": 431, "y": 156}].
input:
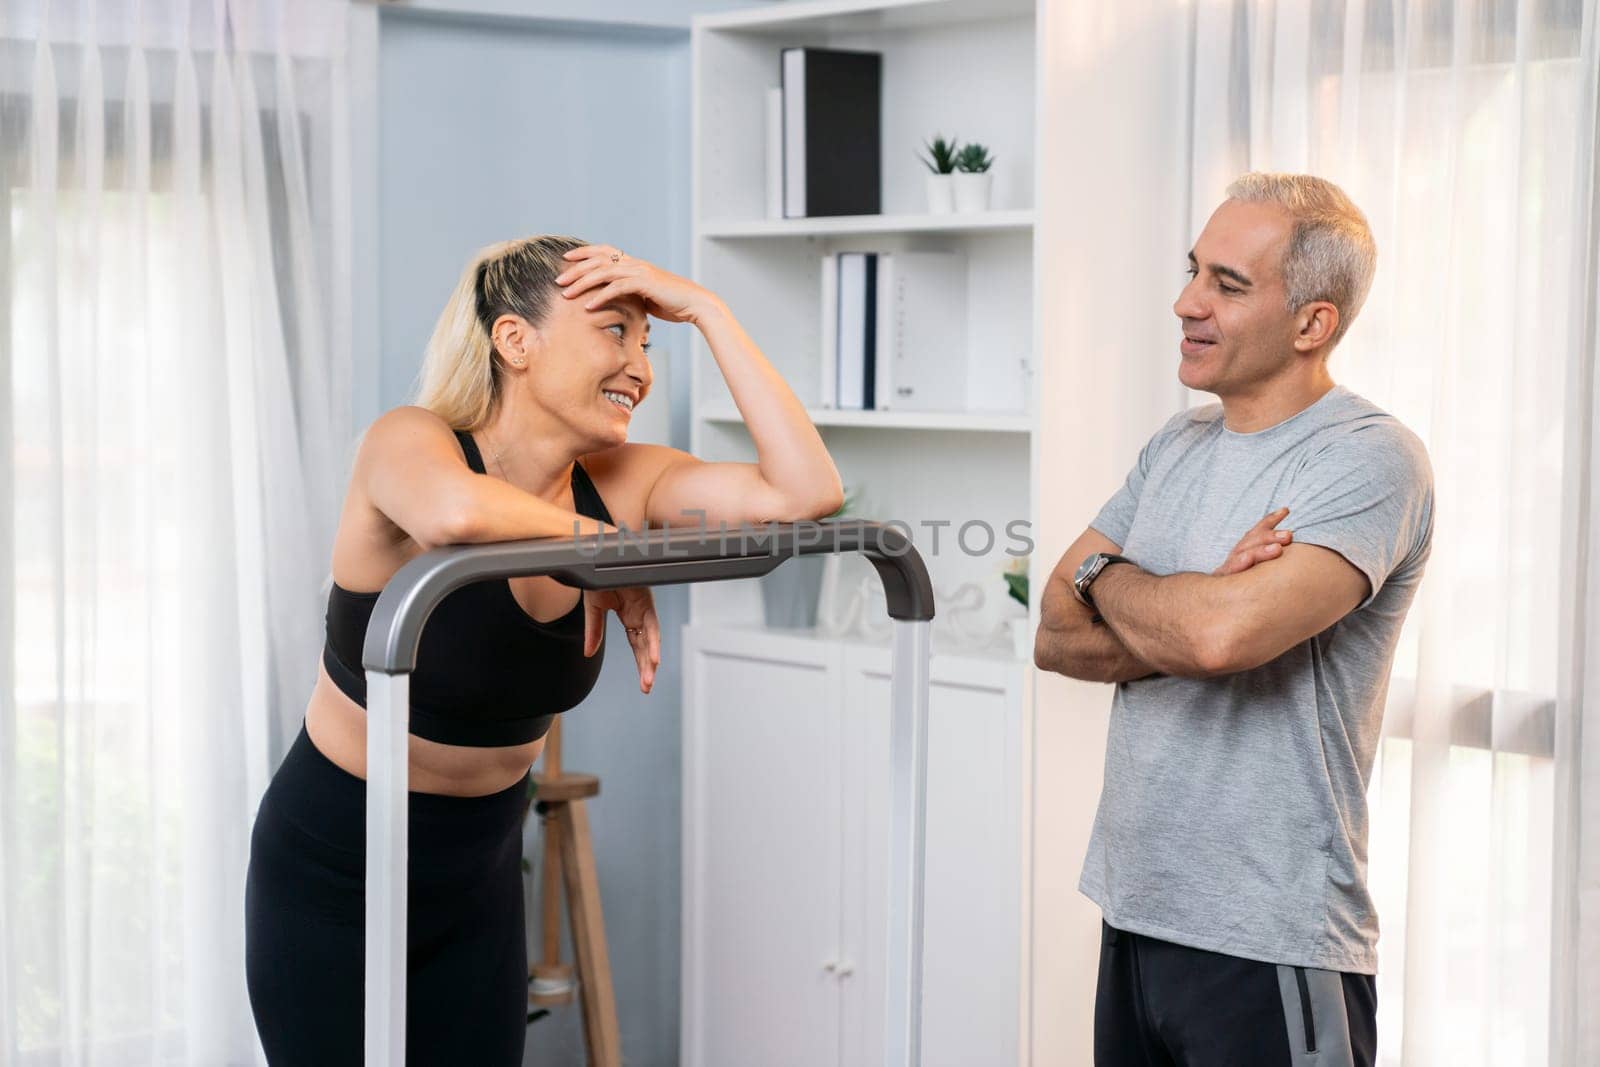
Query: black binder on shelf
[
  {"x": 857, "y": 315},
  {"x": 832, "y": 101}
]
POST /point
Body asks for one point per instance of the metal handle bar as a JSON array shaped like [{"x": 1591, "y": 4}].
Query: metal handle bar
[{"x": 653, "y": 557}]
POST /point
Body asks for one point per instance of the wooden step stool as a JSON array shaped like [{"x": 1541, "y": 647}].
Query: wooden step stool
[{"x": 568, "y": 857}]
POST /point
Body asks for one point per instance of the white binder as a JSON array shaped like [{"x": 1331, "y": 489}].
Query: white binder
[
  {"x": 922, "y": 332},
  {"x": 830, "y": 332}
]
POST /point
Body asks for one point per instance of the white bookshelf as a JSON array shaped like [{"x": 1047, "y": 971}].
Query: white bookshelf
[{"x": 962, "y": 68}]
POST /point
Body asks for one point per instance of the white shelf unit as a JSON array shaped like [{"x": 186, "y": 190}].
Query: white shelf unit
[{"x": 960, "y": 68}]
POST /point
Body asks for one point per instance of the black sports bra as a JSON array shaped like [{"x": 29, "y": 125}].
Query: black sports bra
[{"x": 487, "y": 672}]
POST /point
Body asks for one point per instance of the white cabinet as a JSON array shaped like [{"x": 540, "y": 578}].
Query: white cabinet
[
  {"x": 761, "y": 802},
  {"x": 786, "y": 774}
]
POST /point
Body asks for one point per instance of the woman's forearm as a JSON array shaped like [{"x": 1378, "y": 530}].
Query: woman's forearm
[
  {"x": 498, "y": 511},
  {"x": 789, "y": 451}
]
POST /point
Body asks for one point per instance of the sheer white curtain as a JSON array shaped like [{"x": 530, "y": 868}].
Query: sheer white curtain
[
  {"x": 174, "y": 256},
  {"x": 1465, "y": 130}
]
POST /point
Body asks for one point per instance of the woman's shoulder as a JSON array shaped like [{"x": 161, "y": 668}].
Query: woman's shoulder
[
  {"x": 407, "y": 435},
  {"x": 405, "y": 422},
  {"x": 404, "y": 460}
]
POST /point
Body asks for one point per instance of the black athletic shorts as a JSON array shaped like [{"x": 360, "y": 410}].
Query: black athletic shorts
[{"x": 1165, "y": 1005}]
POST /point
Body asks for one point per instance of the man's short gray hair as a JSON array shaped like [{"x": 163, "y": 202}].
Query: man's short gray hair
[{"x": 1331, "y": 253}]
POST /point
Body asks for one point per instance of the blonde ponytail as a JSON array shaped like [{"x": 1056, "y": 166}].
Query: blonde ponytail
[{"x": 460, "y": 381}]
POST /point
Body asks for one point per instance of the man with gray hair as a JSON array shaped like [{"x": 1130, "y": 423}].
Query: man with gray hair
[{"x": 1229, "y": 851}]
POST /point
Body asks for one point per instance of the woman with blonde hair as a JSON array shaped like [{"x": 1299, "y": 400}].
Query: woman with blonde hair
[{"x": 519, "y": 430}]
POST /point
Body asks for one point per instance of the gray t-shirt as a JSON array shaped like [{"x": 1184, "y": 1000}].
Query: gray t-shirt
[{"x": 1233, "y": 816}]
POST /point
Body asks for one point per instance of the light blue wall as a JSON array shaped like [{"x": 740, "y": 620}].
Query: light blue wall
[{"x": 490, "y": 129}]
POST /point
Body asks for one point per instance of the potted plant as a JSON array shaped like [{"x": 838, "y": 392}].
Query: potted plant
[
  {"x": 1016, "y": 577},
  {"x": 941, "y": 162},
  {"x": 791, "y": 591},
  {"x": 973, "y": 179}
]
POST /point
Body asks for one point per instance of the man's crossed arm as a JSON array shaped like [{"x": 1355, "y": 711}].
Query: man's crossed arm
[
  {"x": 1194, "y": 625},
  {"x": 1067, "y": 641}
]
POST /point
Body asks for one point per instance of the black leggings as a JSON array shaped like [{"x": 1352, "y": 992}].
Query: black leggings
[{"x": 467, "y": 966}]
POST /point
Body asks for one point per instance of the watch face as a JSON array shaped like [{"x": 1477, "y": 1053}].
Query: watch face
[{"x": 1085, "y": 567}]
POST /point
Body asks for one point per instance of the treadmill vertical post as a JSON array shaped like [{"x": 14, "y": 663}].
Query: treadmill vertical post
[
  {"x": 388, "y": 811},
  {"x": 908, "y": 817}
]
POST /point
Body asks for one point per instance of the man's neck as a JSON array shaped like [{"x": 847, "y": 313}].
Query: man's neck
[{"x": 1272, "y": 402}]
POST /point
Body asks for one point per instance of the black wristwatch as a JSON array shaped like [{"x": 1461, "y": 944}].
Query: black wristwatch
[{"x": 1089, "y": 570}]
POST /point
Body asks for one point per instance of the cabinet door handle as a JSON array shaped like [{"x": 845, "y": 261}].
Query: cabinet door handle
[
  {"x": 830, "y": 966},
  {"x": 846, "y": 969}
]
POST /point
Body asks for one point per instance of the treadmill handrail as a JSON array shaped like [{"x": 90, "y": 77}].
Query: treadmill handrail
[{"x": 653, "y": 557}]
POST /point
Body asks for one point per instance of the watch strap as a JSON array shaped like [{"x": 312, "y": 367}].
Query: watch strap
[{"x": 1106, "y": 560}]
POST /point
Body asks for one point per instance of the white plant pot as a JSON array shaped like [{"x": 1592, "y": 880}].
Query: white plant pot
[
  {"x": 972, "y": 190},
  {"x": 941, "y": 194}
]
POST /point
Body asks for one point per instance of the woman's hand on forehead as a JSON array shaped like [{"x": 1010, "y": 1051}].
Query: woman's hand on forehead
[{"x": 608, "y": 275}]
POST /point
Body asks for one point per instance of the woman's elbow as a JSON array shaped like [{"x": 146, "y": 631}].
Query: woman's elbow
[
  {"x": 453, "y": 528},
  {"x": 456, "y": 522},
  {"x": 830, "y": 502},
  {"x": 814, "y": 508}
]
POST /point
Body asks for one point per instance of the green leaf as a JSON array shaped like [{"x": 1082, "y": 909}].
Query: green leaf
[
  {"x": 973, "y": 159},
  {"x": 943, "y": 155}
]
